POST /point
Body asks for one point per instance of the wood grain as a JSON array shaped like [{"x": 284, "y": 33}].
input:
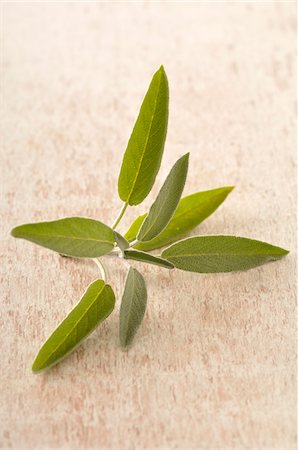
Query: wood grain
[{"x": 214, "y": 364}]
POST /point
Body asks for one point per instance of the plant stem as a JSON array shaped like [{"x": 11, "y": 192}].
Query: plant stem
[
  {"x": 101, "y": 268},
  {"x": 123, "y": 209},
  {"x": 132, "y": 243},
  {"x": 115, "y": 252}
]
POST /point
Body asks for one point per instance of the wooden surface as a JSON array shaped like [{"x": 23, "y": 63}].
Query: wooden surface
[{"x": 213, "y": 365}]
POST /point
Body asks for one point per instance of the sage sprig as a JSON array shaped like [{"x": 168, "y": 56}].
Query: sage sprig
[{"x": 168, "y": 221}]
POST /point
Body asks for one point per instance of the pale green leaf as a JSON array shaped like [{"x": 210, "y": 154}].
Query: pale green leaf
[
  {"x": 144, "y": 150},
  {"x": 133, "y": 230},
  {"x": 138, "y": 255},
  {"x": 191, "y": 211},
  {"x": 95, "y": 306},
  {"x": 121, "y": 241},
  {"x": 73, "y": 236},
  {"x": 207, "y": 254},
  {"x": 165, "y": 205},
  {"x": 133, "y": 306}
]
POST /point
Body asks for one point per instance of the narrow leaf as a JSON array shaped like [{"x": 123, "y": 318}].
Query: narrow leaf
[
  {"x": 95, "y": 306},
  {"x": 137, "y": 255},
  {"x": 121, "y": 241},
  {"x": 166, "y": 203},
  {"x": 191, "y": 211},
  {"x": 133, "y": 306},
  {"x": 134, "y": 228},
  {"x": 207, "y": 254},
  {"x": 145, "y": 147},
  {"x": 73, "y": 236}
]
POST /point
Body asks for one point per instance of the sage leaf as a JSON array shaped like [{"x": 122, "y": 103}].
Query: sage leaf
[
  {"x": 138, "y": 255},
  {"x": 121, "y": 241},
  {"x": 133, "y": 230},
  {"x": 166, "y": 202},
  {"x": 95, "y": 306},
  {"x": 206, "y": 254},
  {"x": 72, "y": 236},
  {"x": 133, "y": 306},
  {"x": 145, "y": 147},
  {"x": 192, "y": 210}
]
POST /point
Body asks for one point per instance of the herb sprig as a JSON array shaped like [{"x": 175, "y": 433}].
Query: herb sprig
[{"x": 168, "y": 221}]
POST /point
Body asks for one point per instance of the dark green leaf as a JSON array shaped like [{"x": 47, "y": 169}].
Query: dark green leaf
[
  {"x": 133, "y": 306},
  {"x": 73, "y": 236},
  {"x": 96, "y": 305},
  {"x": 207, "y": 254},
  {"x": 144, "y": 151},
  {"x": 121, "y": 241},
  {"x": 166, "y": 203},
  {"x": 137, "y": 255},
  {"x": 191, "y": 211}
]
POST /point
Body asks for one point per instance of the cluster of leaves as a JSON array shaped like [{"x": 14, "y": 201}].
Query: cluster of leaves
[{"x": 168, "y": 220}]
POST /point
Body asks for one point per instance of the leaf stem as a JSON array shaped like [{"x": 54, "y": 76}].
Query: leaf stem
[
  {"x": 120, "y": 215},
  {"x": 101, "y": 268},
  {"x": 132, "y": 243}
]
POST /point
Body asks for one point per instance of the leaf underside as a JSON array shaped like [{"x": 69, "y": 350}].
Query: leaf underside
[
  {"x": 140, "y": 256},
  {"x": 121, "y": 241},
  {"x": 166, "y": 202},
  {"x": 211, "y": 254},
  {"x": 72, "y": 236},
  {"x": 145, "y": 147},
  {"x": 191, "y": 211},
  {"x": 95, "y": 306},
  {"x": 133, "y": 306}
]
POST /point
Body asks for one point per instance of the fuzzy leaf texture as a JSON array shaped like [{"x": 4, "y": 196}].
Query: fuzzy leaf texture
[
  {"x": 133, "y": 306},
  {"x": 95, "y": 306},
  {"x": 167, "y": 200},
  {"x": 192, "y": 210},
  {"x": 145, "y": 147},
  {"x": 121, "y": 241},
  {"x": 72, "y": 236},
  {"x": 140, "y": 256},
  {"x": 211, "y": 254}
]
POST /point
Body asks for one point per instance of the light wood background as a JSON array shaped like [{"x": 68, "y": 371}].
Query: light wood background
[{"x": 213, "y": 365}]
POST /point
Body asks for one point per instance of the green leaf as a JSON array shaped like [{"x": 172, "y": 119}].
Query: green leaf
[
  {"x": 207, "y": 254},
  {"x": 133, "y": 306},
  {"x": 95, "y": 306},
  {"x": 73, "y": 236},
  {"x": 191, "y": 211},
  {"x": 144, "y": 150},
  {"x": 166, "y": 203},
  {"x": 133, "y": 230},
  {"x": 121, "y": 241},
  {"x": 137, "y": 255}
]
